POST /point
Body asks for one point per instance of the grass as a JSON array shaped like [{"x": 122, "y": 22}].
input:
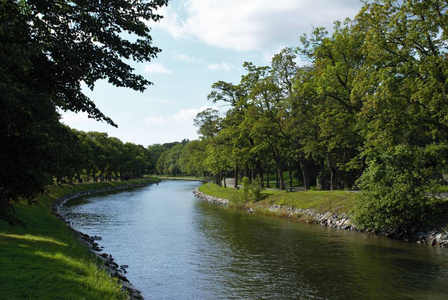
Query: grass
[
  {"x": 286, "y": 178},
  {"x": 45, "y": 259},
  {"x": 321, "y": 201},
  {"x": 220, "y": 192}
]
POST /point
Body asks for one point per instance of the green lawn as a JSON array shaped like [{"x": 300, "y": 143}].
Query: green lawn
[
  {"x": 45, "y": 259},
  {"x": 321, "y": 201},
  {"x": 220, "y": 192},
  {"x": 286, "y": 178}
]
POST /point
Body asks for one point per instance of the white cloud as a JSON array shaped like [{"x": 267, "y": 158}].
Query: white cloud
[
  {"x": 220, "y": 67},
  {"x": 174, "y": 127},
  {"x": 223, "y": 66},
  {"x": 185, "y": 57},
  {"x": 155, "y": 120},
  {"x": 74, "y": 118},
  {"x": 157, "y": 68},
  {"x": 187, "y": 115},
  {"x": 81, "y": 121},
  {"x": 184, "y": 116},
  {"x": 253, "y": 24}
]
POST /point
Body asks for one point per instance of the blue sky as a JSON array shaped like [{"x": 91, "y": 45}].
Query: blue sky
[{"x": 203, "y": 41}]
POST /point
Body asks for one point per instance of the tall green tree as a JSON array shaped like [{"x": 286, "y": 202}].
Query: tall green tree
[
  {"x": 336, "y": 60},
  {"x": 208, "y": 123},
  {"x": 403, "y": 85}
]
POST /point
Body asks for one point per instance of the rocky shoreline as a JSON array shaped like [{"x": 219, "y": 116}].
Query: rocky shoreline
[
  {"x": 421, "y": 235},
  {"x": 114, "y": 269}
]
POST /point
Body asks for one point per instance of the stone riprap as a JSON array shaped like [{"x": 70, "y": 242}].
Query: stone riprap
[{"x": 209, "y": 198}]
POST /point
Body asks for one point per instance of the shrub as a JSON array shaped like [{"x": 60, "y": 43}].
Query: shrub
[
  {"x": 252, "y": 190},
  {"x": 395, "y": 190}
]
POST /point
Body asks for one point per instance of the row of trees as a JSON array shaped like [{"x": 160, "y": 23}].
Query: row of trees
[
  {"x": 95, "y": 156},
  {"x": 368, "y": 109}
]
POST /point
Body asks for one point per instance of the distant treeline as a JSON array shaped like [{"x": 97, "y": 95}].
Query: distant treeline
[{"x": 94, "y": 156}]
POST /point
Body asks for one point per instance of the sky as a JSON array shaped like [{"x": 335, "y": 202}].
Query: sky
[{"x": 202, "y": 42}]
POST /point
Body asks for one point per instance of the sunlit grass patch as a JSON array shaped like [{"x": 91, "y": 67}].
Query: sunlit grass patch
[
  {"x": 45, "y": 260},
  {"x": 321, "y": 201},
  {"x": 220, "y": 192},
  {"x": 33, "y": 238}
]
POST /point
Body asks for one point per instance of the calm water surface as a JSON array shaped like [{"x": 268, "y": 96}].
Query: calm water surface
[{"x": 179, "y": 247}]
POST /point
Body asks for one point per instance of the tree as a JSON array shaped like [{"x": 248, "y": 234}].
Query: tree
[
  {"x": 266, "y": 117},
  {"x": 403, "y": 86},
  {"x": 77, "y": 41},
  {"x": 208, "y": 122},
  {"x": 47, "y": 50},
  {"x": 191, "y": 160},
  {"x": 395, "y": 188},
  {"x": 336, "y": 62},
  {"x": 154, "y": 152}
]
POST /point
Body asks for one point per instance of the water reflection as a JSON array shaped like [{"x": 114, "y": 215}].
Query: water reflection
[{"x": 178, "y": 247}]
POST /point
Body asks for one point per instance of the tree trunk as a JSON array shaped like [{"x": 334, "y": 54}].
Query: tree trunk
[
  {"x": 94, "y": 175},
  {"x": 290, "y": 176},
  {"x": 247, "y": 172},
  {"x": 267, "y": 179},
  {"x": 322, "y": 174},
  {"x": 224, "y": 179},
  {"x": 305, "y": 174},
  {"x": 236, "y": 177},
  {"x": 282, "y": 180},
  {"x": 277, "y": 180},
  {"x": 218, "y": 179},
  {"x": 278, "y": 164},
  {"x": 333, "y": 171},
  {"x": 260, "y": 172},
  {"x": 88, "y": 175}
]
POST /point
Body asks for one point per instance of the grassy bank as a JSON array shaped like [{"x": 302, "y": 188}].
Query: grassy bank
[
  {"x": 45, "y": 259},
  {"x": 321, "y": 201}
]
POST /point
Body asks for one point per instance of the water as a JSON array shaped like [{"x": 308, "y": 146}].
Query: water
[{"x": 179, "y": 247}]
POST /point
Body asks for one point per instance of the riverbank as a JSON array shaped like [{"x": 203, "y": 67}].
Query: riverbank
[
  {"x": 47, "y": 260},
  {"x": 326, "y": 208}
]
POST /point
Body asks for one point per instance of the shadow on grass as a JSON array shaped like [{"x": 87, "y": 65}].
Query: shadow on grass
[{"x": 43, "y": 268}]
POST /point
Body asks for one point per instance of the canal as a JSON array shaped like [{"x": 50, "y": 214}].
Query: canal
[{"x": 180, "y": 247}]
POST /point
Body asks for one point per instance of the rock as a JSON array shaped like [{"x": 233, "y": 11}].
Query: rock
[
  {"x": 136, "y": 296},
  {"x": 123, "y": 268},
  {"x": 433, "y": 242}
]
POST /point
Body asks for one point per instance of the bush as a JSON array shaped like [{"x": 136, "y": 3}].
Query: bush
[
  {"x": 395, "y": 189},
  {"x": 252, "y": 190}
]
